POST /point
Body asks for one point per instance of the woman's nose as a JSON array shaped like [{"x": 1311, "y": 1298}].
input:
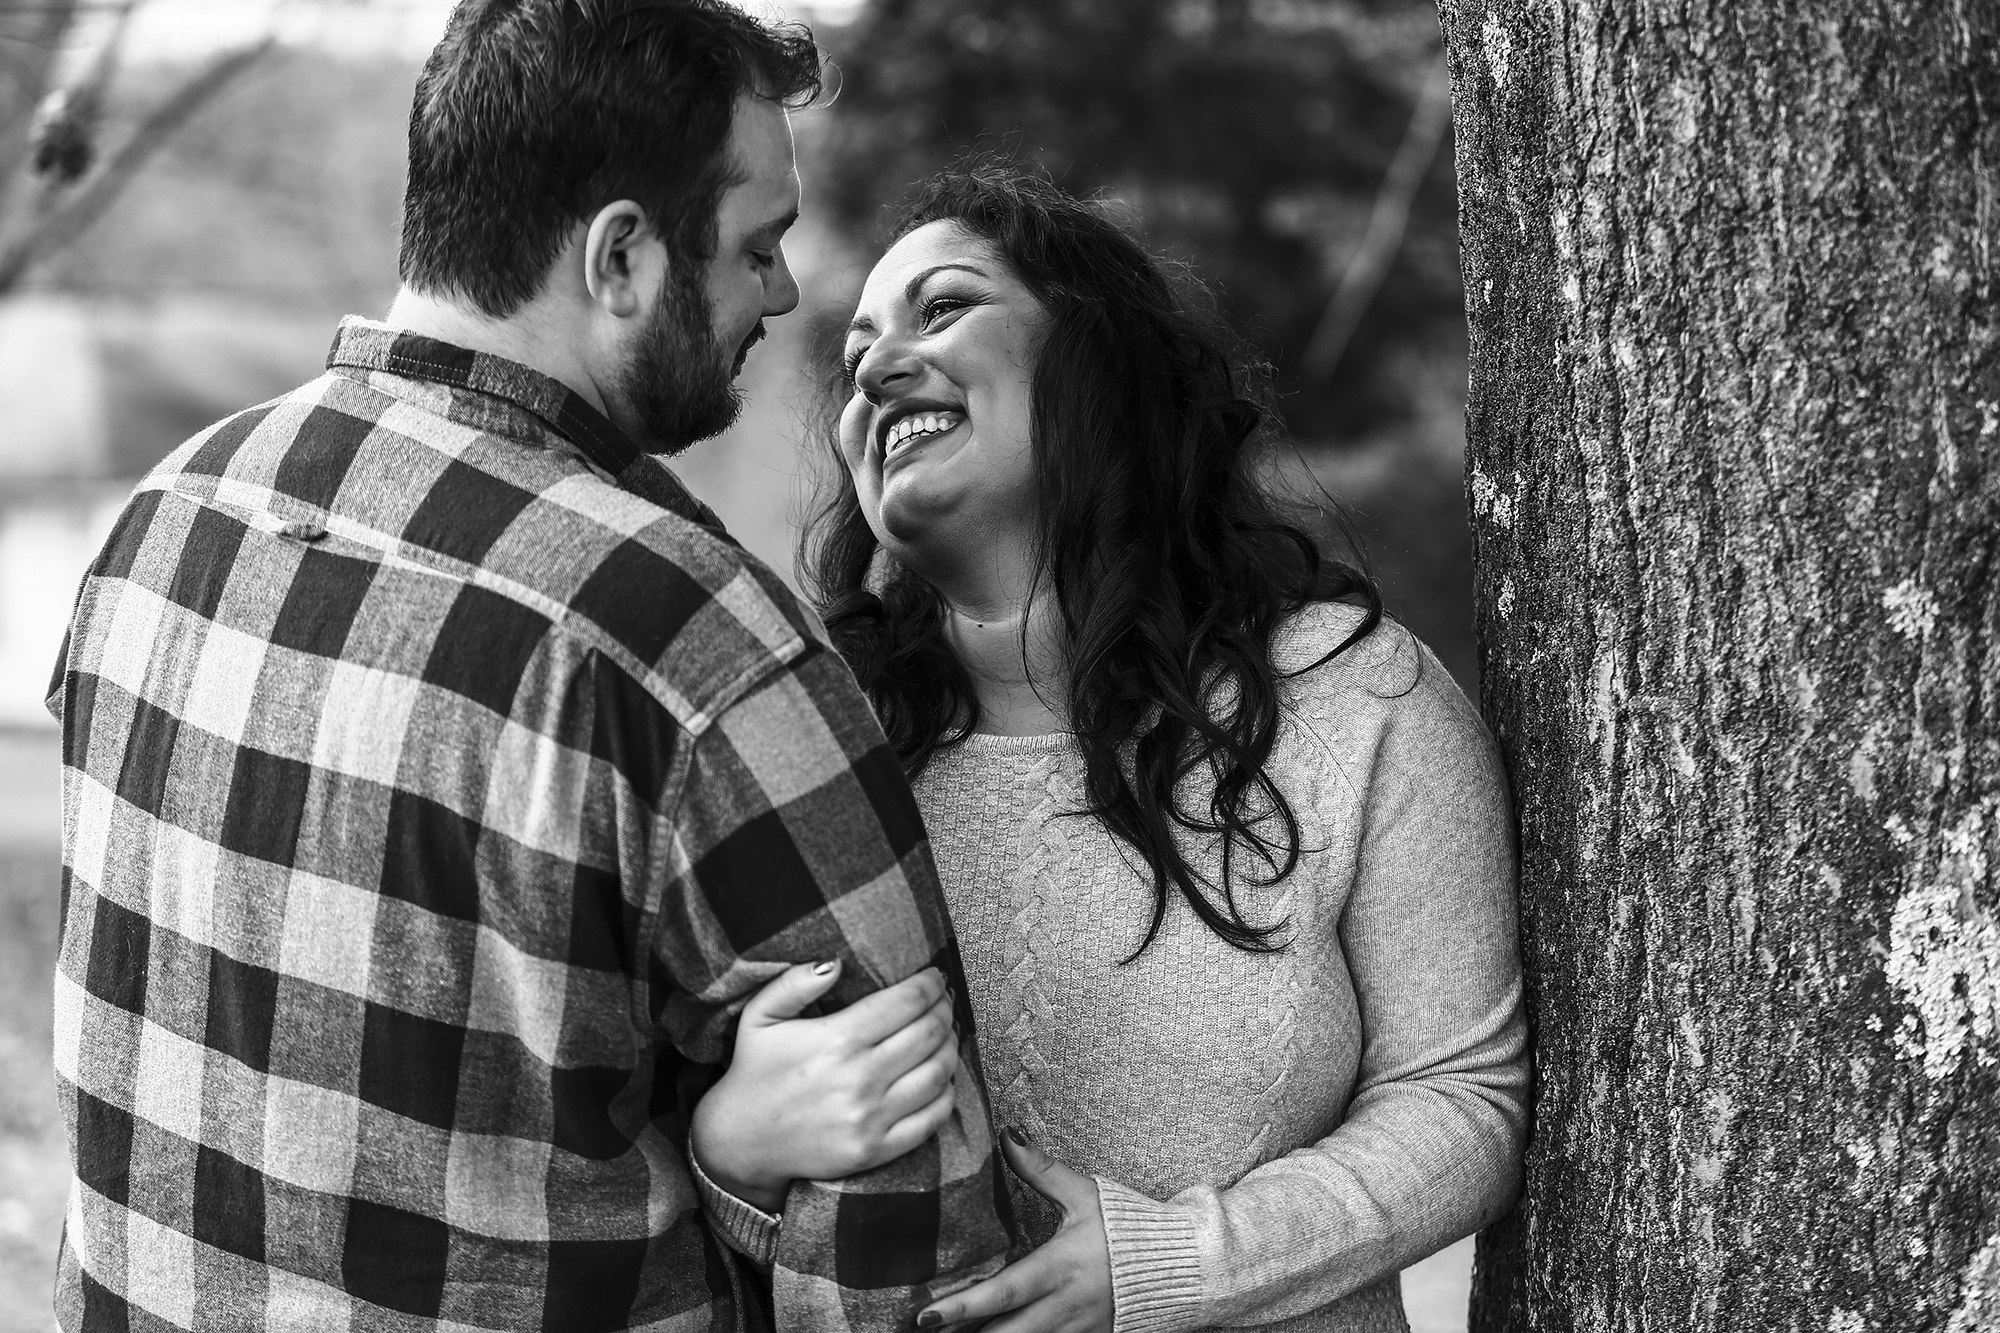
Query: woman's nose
[{"x": 885, "y": 364}]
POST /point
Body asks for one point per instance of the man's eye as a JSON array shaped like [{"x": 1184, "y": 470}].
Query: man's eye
[{"x": 763, "y": 258}]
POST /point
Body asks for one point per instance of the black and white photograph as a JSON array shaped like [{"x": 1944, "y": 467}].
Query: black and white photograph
[{"x": 999, "y": 666}]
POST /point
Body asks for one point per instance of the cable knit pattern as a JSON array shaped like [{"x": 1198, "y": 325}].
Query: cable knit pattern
[
  {"x": 1042, "y": 867},
  {"x": 1274, "y": 1135}
]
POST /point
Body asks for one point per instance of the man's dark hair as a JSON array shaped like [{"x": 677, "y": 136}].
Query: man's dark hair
[{"x": 533, "y": 114}]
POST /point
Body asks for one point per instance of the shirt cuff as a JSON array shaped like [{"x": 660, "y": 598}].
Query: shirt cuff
[
  {"x": 1155, "y": 1264},
  {"x": 744, "y": 1227}
]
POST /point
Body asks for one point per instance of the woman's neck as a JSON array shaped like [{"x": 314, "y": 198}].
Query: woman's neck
[{"x": 1020, "y": 693}]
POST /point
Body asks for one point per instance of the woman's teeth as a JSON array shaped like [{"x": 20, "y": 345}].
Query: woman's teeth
[{"x": 913, "y": 428}]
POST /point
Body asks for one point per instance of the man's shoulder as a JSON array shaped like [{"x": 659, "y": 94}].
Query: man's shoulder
[
  {"x": 688, "y": 614},
  {"x": 698, "y": 620}
]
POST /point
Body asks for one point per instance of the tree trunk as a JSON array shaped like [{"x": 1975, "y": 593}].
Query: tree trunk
[{"x": 1735, "y": 481}]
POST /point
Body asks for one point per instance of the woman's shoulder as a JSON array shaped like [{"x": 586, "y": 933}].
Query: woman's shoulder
[
  {"x": 1384, "y": 690},
  {"x": 1317, "y": 629},
  {"x": 1329, "y": 648}
]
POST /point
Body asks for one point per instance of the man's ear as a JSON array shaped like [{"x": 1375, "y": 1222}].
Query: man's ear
[{"x": 623, "y": 261}]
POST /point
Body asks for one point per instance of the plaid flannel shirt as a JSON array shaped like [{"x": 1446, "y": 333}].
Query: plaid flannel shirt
[{"x": 438, "y": 782}]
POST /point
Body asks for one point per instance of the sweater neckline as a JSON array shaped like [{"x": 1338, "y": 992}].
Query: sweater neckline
[{"x": 981, "y": 742}]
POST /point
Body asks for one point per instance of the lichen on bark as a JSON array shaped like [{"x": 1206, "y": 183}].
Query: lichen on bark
[{"x": 1734, "y": 478}]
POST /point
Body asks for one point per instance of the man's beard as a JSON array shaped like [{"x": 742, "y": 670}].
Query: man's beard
[{"x": 681, "y": 384}]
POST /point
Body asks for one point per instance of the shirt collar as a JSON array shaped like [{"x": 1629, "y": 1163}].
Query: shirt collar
[{"x": 363, "y": 344}]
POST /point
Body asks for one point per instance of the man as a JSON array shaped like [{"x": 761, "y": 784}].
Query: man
[{"x": 440, "y": 780}]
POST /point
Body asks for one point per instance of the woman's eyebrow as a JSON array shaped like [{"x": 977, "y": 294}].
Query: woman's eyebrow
[
  {"x": 910, "y": 288},
  {"x": 863, "y": 324}
]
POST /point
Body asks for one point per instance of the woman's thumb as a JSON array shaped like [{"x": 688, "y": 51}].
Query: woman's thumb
[
  {"x": 1044, "y": 1174},
  {"x": 785, "y": 995}
]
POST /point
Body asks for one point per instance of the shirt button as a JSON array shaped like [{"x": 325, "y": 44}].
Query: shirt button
[{"x": 305, "y": 532}]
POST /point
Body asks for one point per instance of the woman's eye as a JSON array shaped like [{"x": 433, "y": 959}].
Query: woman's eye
[
  {"x": 763, "y": 258},
  {"x": 938, "y": 307},
  {"x": 850, "y": 366}
]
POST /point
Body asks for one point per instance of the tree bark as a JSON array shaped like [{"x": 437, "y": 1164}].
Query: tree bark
[{"x": 1734, "y": 472}]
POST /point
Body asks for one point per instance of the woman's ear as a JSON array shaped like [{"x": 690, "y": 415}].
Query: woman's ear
[{"x": 623, "y": 261}]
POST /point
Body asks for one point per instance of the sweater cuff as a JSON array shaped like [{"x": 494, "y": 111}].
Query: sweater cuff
[
  {"x": 744, "y": 1227},
  {"x": 1155, "y": 1265}
]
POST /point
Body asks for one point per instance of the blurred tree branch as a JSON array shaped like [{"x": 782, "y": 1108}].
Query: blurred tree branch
[
  {"x": 32, "y": 41},
  {"x": 52, "y": 135},
  {"x": 1271, "y": 143},
  {"x": 64, "y": 216},
  {"x": 1387, "y": 222}
]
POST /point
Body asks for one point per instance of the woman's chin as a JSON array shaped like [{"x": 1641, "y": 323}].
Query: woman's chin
[{"x": 912, "y": 513}]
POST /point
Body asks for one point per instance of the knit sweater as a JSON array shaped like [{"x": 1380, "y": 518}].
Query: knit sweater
[{"x": 1274, "y": 1135}]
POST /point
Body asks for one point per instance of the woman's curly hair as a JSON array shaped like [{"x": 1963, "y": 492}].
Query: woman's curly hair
[{"x": 1171, "y": 563}]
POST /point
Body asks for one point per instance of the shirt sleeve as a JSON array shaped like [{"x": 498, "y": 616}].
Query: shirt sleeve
[
  {"x": 743, "y": 1226},
  {"x": 796, "y": 839},
  {"x": 52, "y": 699},
  {"x": 1430, "y": 1148}
]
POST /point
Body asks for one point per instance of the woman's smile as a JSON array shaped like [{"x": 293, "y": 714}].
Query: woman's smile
[
  {"x": 937, "y": 432},
  {"x": 1052, "y": 546},
  {"x": 904, "y": 430}
]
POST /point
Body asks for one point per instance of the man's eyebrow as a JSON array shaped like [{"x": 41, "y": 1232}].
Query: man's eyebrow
[
  {"x": 863, "y": 324},
  {"x": 776, "y": 227}
]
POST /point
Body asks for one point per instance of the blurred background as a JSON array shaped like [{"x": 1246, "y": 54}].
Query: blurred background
[{"x": 192, "y": 192}]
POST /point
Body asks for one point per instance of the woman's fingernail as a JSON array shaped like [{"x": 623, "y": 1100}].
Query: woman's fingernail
[
  {"x": 929, "y": 1319},
  {"x": 825, "y": 969},
  {"x": 1020, "y": 1139}
]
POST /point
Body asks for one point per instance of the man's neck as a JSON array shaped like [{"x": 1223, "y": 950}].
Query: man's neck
[{"x": 528, "y": 337}]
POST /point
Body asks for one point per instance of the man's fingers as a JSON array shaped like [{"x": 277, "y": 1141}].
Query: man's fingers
[
  {"x": 1020, "y": 1283},
  {"x": 787, "y": 994},
  {"x": 891, "y": 1009}
]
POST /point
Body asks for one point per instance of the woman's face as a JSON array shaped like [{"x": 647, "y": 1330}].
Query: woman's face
[{"x": 936, "y": 434}]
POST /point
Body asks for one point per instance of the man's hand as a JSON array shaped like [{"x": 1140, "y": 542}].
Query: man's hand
[
  {"x": 1062, "y": 1287},
  {"x": 823, "y": 1098}
]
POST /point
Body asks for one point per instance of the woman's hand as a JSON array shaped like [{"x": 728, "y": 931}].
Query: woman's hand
[
  {"x": 822, "y": 1098},
  {"x": 1063, "y": 1287}
]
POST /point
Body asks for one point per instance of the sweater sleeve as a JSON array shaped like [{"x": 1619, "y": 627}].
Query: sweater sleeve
[{"x": 1430, "y": 1147}]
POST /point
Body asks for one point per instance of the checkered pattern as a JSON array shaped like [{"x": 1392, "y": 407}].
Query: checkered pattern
[{"x": 438, "y": 782}]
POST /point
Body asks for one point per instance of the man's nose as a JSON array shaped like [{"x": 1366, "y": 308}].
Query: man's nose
[{"x": 781, "y": 292}]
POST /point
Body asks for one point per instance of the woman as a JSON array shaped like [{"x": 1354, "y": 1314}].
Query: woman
[{"x": 1228, "y": 855}]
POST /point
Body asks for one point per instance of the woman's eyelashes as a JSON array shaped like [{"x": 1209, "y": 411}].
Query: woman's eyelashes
[
  {"x": 938, "y": 307},
  {"x": 930, "y": 312}
]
